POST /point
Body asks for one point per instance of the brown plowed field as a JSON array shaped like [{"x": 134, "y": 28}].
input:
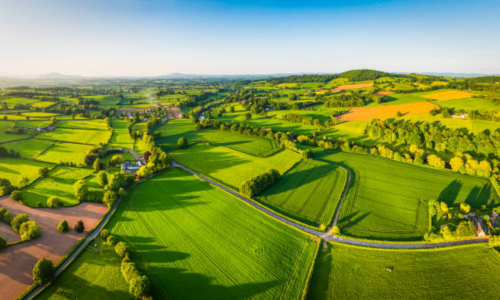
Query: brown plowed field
[
  {"x": 136, "y": 109},
  {"x": 17, "y": 261},
  {"x": 177, "y": 112},
  {"x": 448, "y": 95},
  {"x": 381, "y": 93},
  {"x": 346, "y": 87},
  {"x": 385, "y": 112}
]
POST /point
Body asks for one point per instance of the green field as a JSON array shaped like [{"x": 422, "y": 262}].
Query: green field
[
  {"x": 95, "y": 274},
  {"x": 350, "y": 272},
  {"x": 387, "y": 200},
  {"x": 309, "y": 192},
  {"x": 59, "y": 183},
  {"x": 121, "y": 137},
  {"x": 195, "y": 241},
  {"x": 5, "y": 137},
  {"x": 83, "y": 124},
  {"x": 231, "y": 167},
  {"x": 175, "y": 129},
  {"x": 23, "y": 101},
  {"x": 82, "y": 136},
  {"x": 28, "y": 148},
  {"x": 65, "y": 152},
  {"x": 43, "y": 104},
  {"x": 14, "y": 168},
  {"x": 470, "y": 104}
]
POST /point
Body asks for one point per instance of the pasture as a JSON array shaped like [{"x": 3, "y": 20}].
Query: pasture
[
  {"x": 309, "y": 192},
  {"x": 231, "y": 167},
  {"x": 22, "y": 101},
  {"x": 121, "y": 137},
  {"x": 448, "y": 95},
  {"x": 95, "y": 274},
  {"x": 175, "y": 129},
  {"x": 14, "y": 168},
  {"x": 43, "y": 104},
  {"x": 83, "y": 124},
  {"x": 81, "y": 136},
  {"x": 470, "y": 104},
  {"x": 65, "y": 152},
  {"x": 28, "y": 148},
  {"x": 6, "y": 137},
  {"x": 356, "y": 86},
  {"x": 215, "y": 245},
  {"x": 350, "y": 272},
  {"x": 385, "y": 112},
  {"x": 387, "y": 200},
  {"x": 59, "y": 183}
]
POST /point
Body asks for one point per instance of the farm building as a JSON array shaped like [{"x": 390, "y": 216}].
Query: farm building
[
  {"x": 130, "y": 167},
  {"x": 43, "y": 129},
  {"x": 460, "y": 116}
]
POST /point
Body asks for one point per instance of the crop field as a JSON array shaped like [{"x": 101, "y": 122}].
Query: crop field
[
  {"x": 350, "y": 272},
  {"x": 175, "y": 129},
  {"x": 474, "y": 126},
  {"x": 14, "y": 168},
  {"x": 59, "y": 183},
  {"x": 336, "y": 82},
  {"x": 384, "y": 112},
  {"x": 82, "y": 136},
  {"x": 353, "y": 87},
  {"x": 215, "y": 245},
  {"x": 309, "y": 192},
  {"x": 121, "y": 137},
  {"x": 396, "y": 99},
  {"x": 28, "y": 148},
  {"x": 43, "y": 104},
  {"x": 39, "y": 114},
  {"x": 22, "y": 101},
  {"x": 5, "y": 137},
  {"x": 286, "y": 85},
  {"x": 65, "y": 152},
  {"x": 11, "y": 117},
  {"x": 231, "y": 167},
  {"x": 83, "y": 124},
  {"x": 32, "y": 124},
  {"x": 387, "y": 200},
  {"x": 448, "y": 95},
  {"x": 471, "y": 104},
  {"x": 95, "y": 274}
]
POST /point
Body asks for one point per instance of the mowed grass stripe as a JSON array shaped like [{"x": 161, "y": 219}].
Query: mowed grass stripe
[
  {"x": 309, "y": 192},
  {"x": 192, "y": 250}
]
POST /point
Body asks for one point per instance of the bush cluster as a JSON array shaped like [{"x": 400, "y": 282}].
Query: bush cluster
[{"x": 255, "y": 185}]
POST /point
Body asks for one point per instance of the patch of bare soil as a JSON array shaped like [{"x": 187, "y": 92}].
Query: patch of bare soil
[{"x": 17, "y": 261}]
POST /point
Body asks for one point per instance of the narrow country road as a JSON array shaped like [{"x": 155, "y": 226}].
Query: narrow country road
[{"x": 328, "y": 236}]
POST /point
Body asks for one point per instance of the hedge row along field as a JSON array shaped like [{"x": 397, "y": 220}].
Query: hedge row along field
[
  {"x": 175, "y": 129},
  {"x": 387, "y": 200},
  {"x": 309, "y": 192},
  {"x": 194, "y": 241},
  {"x": 350, "y": 272},
  {"x": 231, "y": 167}
]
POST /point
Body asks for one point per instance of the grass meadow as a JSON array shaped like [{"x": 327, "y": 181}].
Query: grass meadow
[
  {"x": 82, "y": 136},
  {"x": 95, "y": 274},
  {"x": 6, "y": 137},
  {"x": 387, "y": 200},
  {"x": 28, "y": 148},
  {"x": 231, "y": 167},
  {"x": 13, "y": 168},
  {"x": 65, "y": 152},
  {"x": 83, "y": 124},
  {"x": 309, "y": 192},
  {"x": 121, "y": 137},
  {"x": 196, "y": 241},
  {"x": 59, "y": 183},
  {"x": 175, "y": 129},
  {"x": 350, "y": 272}
]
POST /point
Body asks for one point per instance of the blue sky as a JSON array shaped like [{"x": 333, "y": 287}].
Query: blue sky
[{"x": 143, "y": 38}]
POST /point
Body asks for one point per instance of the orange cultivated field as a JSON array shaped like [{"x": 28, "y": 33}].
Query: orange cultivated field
[
  {"x": 382, "y": 93},
  {"x": 352, "y": 87},
  {"x": 448, "y": 95},
  {"x": 385, "y": 112}
]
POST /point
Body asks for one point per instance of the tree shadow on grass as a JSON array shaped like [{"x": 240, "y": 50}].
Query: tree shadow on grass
[
  {"x": 480, "y": 196},
  {"x": 179, "y": 283},
  {"x": 450, "y": 193}
]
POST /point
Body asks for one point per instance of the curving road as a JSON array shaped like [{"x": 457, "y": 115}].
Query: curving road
[{"x": 328, "y": 236}]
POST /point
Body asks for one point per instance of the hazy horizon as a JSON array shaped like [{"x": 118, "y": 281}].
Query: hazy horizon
[{"x": 135, "y": 38}]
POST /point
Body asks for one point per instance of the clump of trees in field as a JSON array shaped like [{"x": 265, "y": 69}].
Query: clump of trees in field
[
  {"x": 307, "y": 120},
  {"x": 26, "y": 228},
  {"x": 63, "y": 226},
  {"x": 44, "y": 271},
  {"x": 5, "y": 186},
  {"x": 255, "y": 185}
]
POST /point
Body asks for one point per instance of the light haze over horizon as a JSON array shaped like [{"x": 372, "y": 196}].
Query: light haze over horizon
[{"x": 151, "y": 38}]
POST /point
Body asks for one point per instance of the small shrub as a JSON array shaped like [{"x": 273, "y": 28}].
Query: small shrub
[
  {"x": 29, "y": 230},
  {"x": 121, "y": 249},
  {"x": 182, "y": 142},
  {"x": 7, "y": 217},
  {"x": 3, "y": 242},
  {"x": 139, "y": 286},
  {"x": 104, "y": 234},
  {"x": 79, "y": 227},
  {"x": 16, "y": 195},
  {"x": 129, "y": 271},
  {"x": 18, "y": 220},
  {"x": 111, "y": 240},
  {"x": 335, "y": 230},
  {"x": 63, "y": 226},
  {"x": 39, "y": 204},
  {"x": 43, "y": 272},
  {"x": 3, "y": 210},
  {"x": 54, "y": 202}
]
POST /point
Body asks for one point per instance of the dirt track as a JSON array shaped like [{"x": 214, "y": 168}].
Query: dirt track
[
  {"x": 385, "y": 112},
  {"x": 17, "y": 261}
]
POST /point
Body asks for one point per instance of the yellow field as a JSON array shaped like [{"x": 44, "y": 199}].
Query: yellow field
[
  {"x": 352, "y": 87},
  {"x": 286, "y": 85},
  {"x": 448, "y": 95},
  {"x": 385, "y": 112}
]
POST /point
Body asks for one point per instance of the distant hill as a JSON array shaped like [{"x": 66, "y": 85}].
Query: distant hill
[{"x": 56, "y": 75}]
